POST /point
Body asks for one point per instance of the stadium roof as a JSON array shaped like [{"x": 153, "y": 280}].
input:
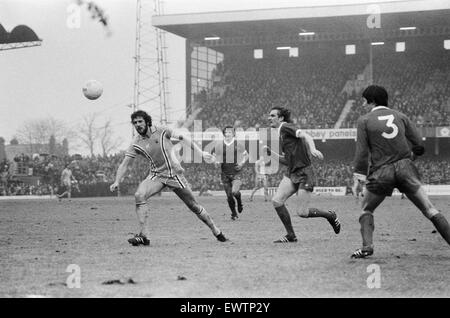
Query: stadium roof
[
  {"x": 20, "y": 36},
  {"x": 331, "y": 19}
]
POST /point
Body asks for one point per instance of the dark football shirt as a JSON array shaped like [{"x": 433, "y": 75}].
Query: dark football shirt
[
  {"x": 383, "y": 134},
  {"x": 295, "y": 149},
  {"x": 229, "y": 156}
]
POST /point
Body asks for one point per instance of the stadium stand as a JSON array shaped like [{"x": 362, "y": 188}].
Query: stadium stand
[
  {"x": 314, "y": 85},
  {"x": 310, "y": 86},
  {"x": 417, "y": 84}
]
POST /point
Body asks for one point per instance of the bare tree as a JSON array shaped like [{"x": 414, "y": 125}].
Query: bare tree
[
  {"x": 88, "y": 133},
  {"x": 107, "y": 141},
  {"x": 39, "y": 131}
]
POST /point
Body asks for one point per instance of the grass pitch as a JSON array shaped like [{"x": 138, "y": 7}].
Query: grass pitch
[{"x": 41, "y": 238}]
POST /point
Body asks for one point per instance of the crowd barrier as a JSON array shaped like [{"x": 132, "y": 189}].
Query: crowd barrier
[
  {"x": 441, "y": 189},
  {"x": 337, "y": 191},
  {"x": 102, "y": 190}
]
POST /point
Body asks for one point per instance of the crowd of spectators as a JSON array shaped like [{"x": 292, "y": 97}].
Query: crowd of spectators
[
  {"x": 47, "y": 170},
  {"x": 417, "y": 84},
  {"x": 329, "y": 173},
  {"x": 95, "y": 170},
  {"x": 311, "y": 87},
  {"x": 434, "y": 171}
]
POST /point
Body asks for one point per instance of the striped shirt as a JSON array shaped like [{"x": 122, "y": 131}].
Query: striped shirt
[{"x": 155, "y": 146}]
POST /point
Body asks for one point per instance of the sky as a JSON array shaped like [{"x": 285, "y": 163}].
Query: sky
[{"x": 47, "y": 80}]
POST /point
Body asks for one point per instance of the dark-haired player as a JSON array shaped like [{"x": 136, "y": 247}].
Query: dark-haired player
[
  {"x": 384, "y": 134},
  {"x": 231, "y": 155},
  {"x": 154, "y": 144},
  {"x": 297, "y": 147}
]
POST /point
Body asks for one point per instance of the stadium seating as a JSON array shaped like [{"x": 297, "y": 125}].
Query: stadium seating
[
  {"x": 312, "y": 89},
  {"x": 417, "y": 84}
]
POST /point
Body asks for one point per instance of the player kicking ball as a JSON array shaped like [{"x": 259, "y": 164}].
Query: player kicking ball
[
  {"x": 384, "y": 134},
  {"x": 296, "y": 145},
  {"x": 155, "y": 145}
]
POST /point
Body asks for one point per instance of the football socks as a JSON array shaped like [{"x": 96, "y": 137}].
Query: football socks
[
  {"x": 442, "y": 226},
  {"x": 285, "y": 218}
]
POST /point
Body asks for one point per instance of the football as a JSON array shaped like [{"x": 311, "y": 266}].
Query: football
[{"x": 92, "y": 89}]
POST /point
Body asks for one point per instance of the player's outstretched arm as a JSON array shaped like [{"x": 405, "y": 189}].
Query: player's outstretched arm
[
  {"x": 413, "y": 136},
  {"x": 188, "y": 141},
  {"x": 120, "y": 173},
  {"x": 310, "y": 143},
  {"x": 214, "y": 152},
  {"x": 257, "y": 167},
  {"x": 245, "y": 157}
]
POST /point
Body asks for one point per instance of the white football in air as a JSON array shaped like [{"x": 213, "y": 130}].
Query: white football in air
[{"x": 92, "y": 89}]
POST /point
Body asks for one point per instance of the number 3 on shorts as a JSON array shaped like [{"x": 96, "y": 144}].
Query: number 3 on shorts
[{"x": 390, "y": 124}]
